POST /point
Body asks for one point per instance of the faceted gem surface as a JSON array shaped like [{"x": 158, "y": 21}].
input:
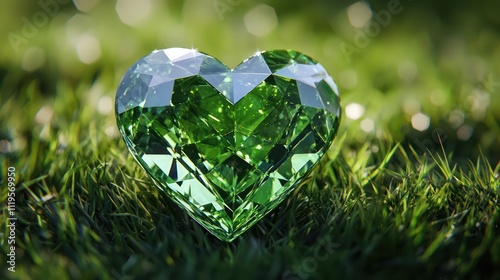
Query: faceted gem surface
[{"x": 227, "y": 145}]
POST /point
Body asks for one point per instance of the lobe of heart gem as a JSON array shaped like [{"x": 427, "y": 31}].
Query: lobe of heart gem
[{"x": 227, "y": 146}]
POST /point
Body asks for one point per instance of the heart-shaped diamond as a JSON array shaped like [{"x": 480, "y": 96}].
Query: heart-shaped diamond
[{"x": 227, "y": 145}]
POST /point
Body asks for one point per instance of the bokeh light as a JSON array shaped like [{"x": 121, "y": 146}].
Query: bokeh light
[
  {"x": 359, "y": 14},
  {"x": 354, "y": 111},
  {"x": 85, "y": 5},
  {"x": 133, "y": 12},
  {"x": 367, "y": 125},
  {"x": 88, "y": 48},
  {"x": 33, "y": 59},
  {"x": 261, "y": 20},
  {"x": 420, "y": 122}
]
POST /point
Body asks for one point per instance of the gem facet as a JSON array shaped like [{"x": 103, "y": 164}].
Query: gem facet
[{"x": 227, "y": 145}]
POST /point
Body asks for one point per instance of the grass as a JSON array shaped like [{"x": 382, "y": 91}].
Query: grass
[
  {"x": 391, "y": 202},
  {"x": 87, "y": 211}
]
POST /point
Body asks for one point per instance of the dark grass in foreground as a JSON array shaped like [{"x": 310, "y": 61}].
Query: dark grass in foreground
[{"x": 90, "y": 212}]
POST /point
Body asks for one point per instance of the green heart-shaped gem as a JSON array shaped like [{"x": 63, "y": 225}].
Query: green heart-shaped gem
[{"x": 227, "y": 145}]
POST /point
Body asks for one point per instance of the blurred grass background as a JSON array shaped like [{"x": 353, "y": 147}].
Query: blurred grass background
[{"x": 428, "y": 78}]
